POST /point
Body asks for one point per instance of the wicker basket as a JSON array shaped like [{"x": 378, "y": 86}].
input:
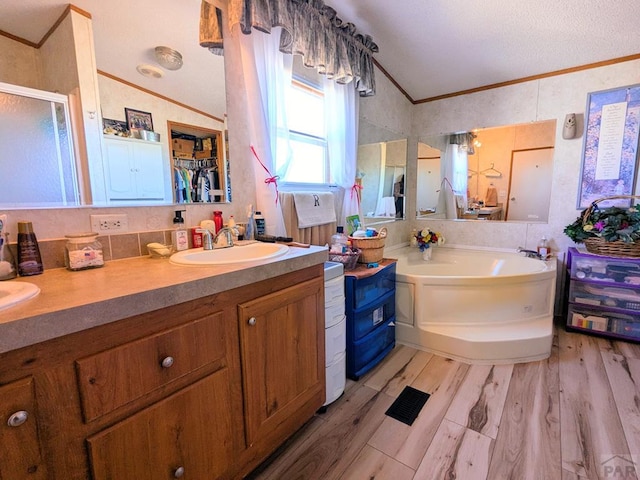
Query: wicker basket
[
  {"x": 600, "y": 246},
  {"x": 349, "y": 259},
  {"x": 372, "y": 247}
]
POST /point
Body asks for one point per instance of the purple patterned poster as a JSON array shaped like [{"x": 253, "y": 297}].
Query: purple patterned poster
[{"x": 610, "y": 150}]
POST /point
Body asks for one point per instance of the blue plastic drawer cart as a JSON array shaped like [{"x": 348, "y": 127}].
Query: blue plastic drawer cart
[
  {"x": 370, "y": 309},
  {"x": 603, "y": 295}
]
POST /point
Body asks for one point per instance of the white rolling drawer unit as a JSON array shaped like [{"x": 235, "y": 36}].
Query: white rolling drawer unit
[{"x": 335, "y": 330}]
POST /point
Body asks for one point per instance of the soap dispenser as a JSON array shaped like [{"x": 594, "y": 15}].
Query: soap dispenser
[{"x": 179, "y": 236}]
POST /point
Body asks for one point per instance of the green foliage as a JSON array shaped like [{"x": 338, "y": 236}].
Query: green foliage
[{"x": 612, "y": 223}]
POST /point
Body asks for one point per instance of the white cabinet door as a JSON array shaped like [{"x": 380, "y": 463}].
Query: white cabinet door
[{"x": 133, "y": 169}]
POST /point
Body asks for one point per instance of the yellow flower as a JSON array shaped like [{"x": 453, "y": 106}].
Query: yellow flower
[{"x": 588, "y": 227}]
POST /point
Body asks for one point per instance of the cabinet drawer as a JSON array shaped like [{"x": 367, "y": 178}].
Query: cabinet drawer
[
  {"x": 605, "y": 295},
  {"x": 363, "y": 291},
  {"x": 361, "y": 322},
  {"x": 115, "y": 377},
  {"x": 603, "y": 321},
  {"x": 334, "y": 290},
  {"x": 191, "y": 430},
  {"x": 602, "y": 269}
]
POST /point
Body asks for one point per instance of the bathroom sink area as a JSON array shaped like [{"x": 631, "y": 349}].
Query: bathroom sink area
[
  {"x": 12, "y": 293},
  {"x": 222, "y": 256}
]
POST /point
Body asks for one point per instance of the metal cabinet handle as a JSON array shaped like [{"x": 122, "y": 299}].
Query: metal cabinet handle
[
  {"x": 166, "y": 362},
  {"x": 252, "y": 321},
  {"x": 178, "y": 473},
  {"x": 17, "y": 418}
]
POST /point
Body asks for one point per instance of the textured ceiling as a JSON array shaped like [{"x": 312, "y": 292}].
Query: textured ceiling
[
  {"x": 438, "y": 47},
  {"x": 430, "y": 47}
]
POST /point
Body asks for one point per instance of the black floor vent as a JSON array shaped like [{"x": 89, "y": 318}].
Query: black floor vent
[{"x": 408, "y": 405}]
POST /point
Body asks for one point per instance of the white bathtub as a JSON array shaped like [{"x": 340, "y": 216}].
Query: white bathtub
[{"x": 476, "y": 306}]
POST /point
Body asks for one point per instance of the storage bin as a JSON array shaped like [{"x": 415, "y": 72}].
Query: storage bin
[
  {"x": 593, "y": 319},
  {"x": 333, "y": 313},
  {"x": 364, "y": 354},
  {"x": 585, "y": 266},
  {"x": 367, "y": 319},
  {"x": 336, "y": 378},
  {"x": 335, "y": 341},
  {"x": 611, "y": 296},
  {"x": 334, "y": 290},
  {"x": 363, "y": 291}
]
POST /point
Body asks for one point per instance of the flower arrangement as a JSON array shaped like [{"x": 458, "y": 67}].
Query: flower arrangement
[
  {"x": 610, "y": 224},
  {"x": 425, "y": 237}
]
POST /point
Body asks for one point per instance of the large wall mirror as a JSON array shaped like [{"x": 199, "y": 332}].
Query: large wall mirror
[
  {"x": 501, "y": 173},
  {"x": 37, "y": 42},
  {"x": 381, "y": 170}
]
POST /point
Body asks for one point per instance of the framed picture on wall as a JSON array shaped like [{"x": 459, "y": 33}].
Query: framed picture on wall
[
  {"x": 138, "y": 119},
  {"x": 610, "y": 146}
]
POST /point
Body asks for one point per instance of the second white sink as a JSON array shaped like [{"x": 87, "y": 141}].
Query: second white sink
[
  {"x": 12, "y": 292},
  {"x": 235, "y": 254}
]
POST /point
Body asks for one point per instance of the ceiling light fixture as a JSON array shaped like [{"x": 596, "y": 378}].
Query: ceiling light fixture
[
  {"x": 150, "y": 71},
  {"x": 168, "y": 58}
]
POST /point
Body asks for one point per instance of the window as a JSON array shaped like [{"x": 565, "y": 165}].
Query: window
[{"x": 306, "y": 159}]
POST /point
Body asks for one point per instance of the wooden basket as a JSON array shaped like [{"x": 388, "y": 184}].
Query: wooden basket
[
  {"x": 372, "y": 248},
  {"x": 600, "y": 246}
]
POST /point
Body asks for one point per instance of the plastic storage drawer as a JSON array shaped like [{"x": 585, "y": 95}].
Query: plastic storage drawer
[
  {"x": 364, "y": 354},
  {"x": 334, "y": 290},
  {"x": 605, "y": 295},
  {"x": 585, "y": 266},
  {"x": 604, "y": 321},
  {"x": 363, "y": 321},
  {"x": 335, "y": 341},
  {"x": 363, "y": 291}
]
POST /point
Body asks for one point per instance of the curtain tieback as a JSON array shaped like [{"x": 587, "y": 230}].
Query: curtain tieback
[
  {"x": 355, "y": 190},
  {"x": 271, "y": 178}
]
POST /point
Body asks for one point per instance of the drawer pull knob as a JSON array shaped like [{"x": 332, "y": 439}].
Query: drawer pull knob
[
  {"x": 167, "y": 362},
  {"x": 17, "y": 418},
  {"x": 179, "y": 472},
  {"x": 252, "y": 321}
]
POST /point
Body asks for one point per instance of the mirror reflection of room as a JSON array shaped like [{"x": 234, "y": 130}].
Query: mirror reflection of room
[
  {"x": 501, "y": 173},
  {"x": 381, "y": 174}
]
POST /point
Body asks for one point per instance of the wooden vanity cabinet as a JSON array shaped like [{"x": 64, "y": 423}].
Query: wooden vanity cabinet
[{"x": 190, "y": 390}]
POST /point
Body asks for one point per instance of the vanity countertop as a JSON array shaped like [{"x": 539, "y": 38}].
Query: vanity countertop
[{"x": 70, "y": 302}]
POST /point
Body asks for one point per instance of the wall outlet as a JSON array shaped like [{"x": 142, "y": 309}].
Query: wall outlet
[{"x": 109, "y": 223}]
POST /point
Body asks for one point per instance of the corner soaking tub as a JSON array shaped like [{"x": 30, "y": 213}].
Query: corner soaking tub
[{"x": 477, "y": 306}]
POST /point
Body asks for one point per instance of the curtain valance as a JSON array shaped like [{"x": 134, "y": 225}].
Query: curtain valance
[{"x": 313, "y": 30}]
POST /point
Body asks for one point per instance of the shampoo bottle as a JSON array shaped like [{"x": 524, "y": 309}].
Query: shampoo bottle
[
  {"x": 179, "y": 236},
  {"x": 29, "y": 259}
]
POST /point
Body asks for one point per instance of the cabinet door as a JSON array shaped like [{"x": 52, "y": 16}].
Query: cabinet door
[
  {"x": 282, "y": 353},
  {"x": 149, "y": 171},
  {"x": 119, "y": 169},
  {"x": 20, "y": 456},
  {"x": 188, "y": 434}
]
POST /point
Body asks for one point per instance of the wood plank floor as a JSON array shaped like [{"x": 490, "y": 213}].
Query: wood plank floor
[{"x": 573, "y": 416}]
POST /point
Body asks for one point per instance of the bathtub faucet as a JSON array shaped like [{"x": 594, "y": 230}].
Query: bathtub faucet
[{"x": 530, "y": 253}]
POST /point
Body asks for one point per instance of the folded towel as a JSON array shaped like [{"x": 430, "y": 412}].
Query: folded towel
[
  {"x": 314, "y": 209},
  {"x": 491, "y": 198}
]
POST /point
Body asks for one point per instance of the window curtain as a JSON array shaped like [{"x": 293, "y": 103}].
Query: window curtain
[
  {"x": 341, "y": 118},
  {"x": 266, "y": 72},
  {"x": 454, "y": 172},
  {"x": 313, "y": 30}
]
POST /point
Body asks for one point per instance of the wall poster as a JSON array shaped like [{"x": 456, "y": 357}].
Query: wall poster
[{"x": 610, "y": 149}]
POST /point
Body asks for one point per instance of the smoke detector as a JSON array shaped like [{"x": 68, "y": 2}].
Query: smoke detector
[{"x": 150, "y": 71}]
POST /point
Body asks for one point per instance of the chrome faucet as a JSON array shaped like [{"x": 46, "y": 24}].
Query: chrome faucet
[
  {"x": 530, "y": 253},
  {"x": 207, "y": 239},
  {"x": 228, "y": 235}
]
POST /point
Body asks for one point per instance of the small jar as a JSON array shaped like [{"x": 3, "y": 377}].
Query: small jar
[{"x": 83, "y": 251}]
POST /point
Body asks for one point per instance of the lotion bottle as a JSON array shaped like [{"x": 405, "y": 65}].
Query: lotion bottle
[
  {"x": 543, "y": 247},
  {"x": 29, "y": 259}
]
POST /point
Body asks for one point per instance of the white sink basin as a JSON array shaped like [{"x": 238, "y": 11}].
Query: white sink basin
[
  {"x": 12, "y": 293},
  {"x": 235, "y": 254}
]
